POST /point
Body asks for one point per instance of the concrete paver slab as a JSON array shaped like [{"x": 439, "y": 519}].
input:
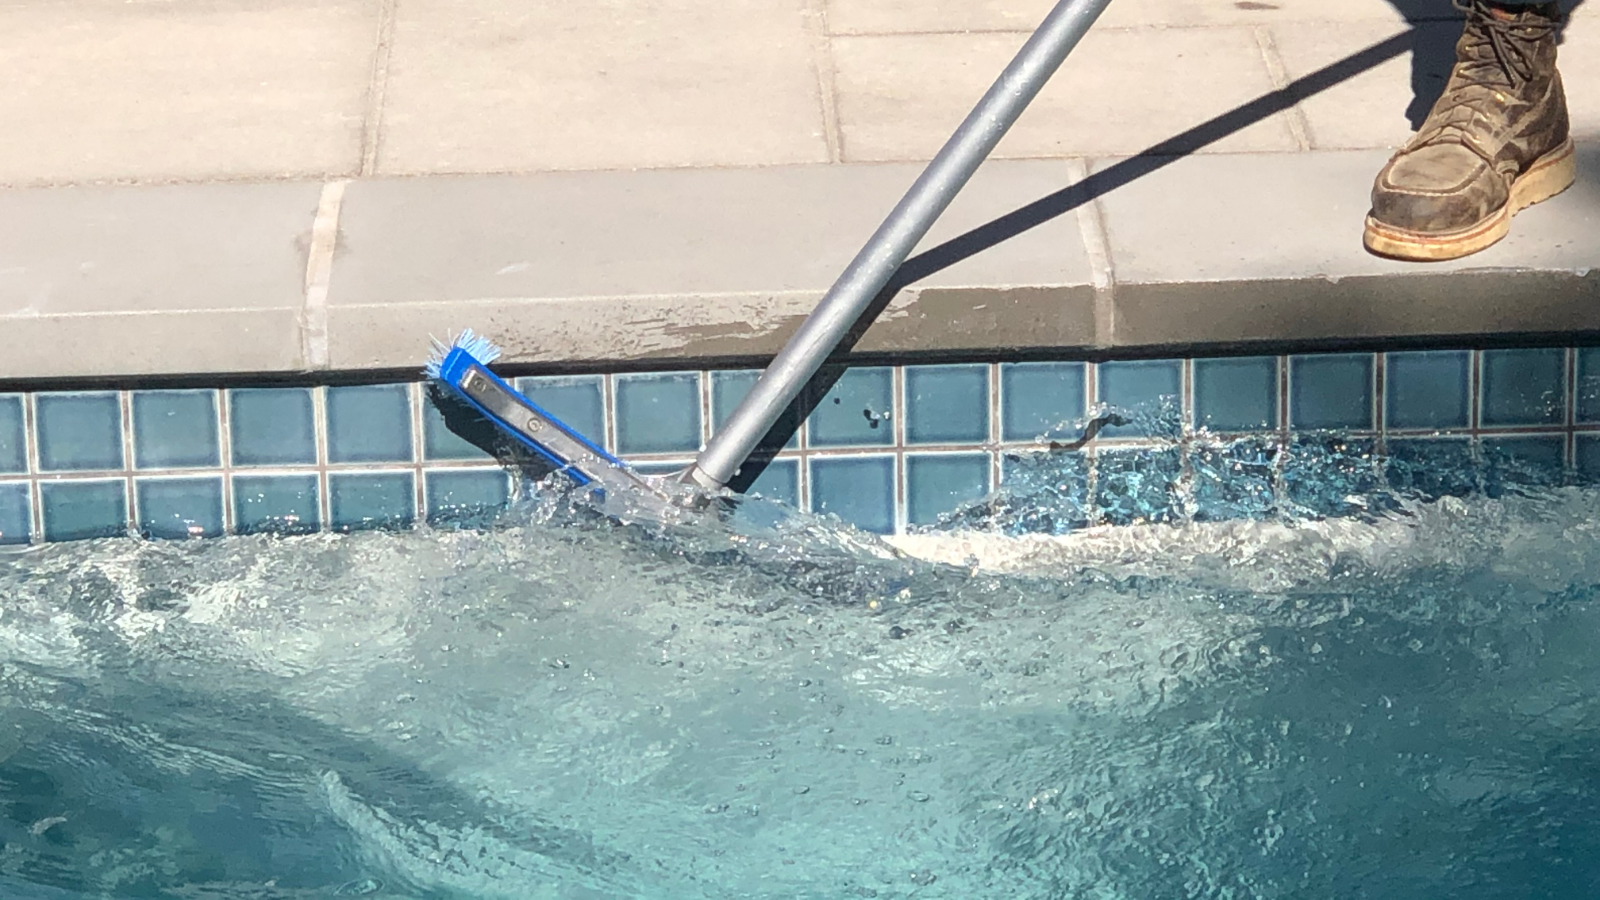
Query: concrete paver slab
[
  {"x": 704, "y": 263},
  {"x": 1120, "y": 92},
  {"x": 480, "y": 86},
  {"x": 922, "y": 16},
  {"x": 101, "y": 90},
  {"x": 1268, "y": 248},
  {"x": 136, "y": 280},
  {"x": 1372, "y": 108}
]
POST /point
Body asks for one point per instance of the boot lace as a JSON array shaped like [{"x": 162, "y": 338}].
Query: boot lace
[{"x": 1497, "y": 54}]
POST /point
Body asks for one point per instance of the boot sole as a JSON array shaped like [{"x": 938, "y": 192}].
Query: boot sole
[{"x": 1548, "y": 176}]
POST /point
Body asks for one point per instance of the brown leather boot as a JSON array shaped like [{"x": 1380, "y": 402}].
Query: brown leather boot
[{"x": 1496, "y": 143}]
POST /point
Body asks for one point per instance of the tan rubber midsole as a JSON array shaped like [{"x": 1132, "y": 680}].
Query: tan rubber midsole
[{"x": 1550, "y": 175}]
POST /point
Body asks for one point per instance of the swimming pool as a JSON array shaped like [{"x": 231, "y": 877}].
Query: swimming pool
[{"x": 1391, "y": 698}]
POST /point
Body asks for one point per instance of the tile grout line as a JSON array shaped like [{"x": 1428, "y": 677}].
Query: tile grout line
[
  {"x": 1097, "y": 248},
  {"x": 415, "y": 397},
  {"x": 319, "y": 428},
  {"x": 897, "y": 409},
  {"x": 30, "y": 443},
  {"x": 319, "y": 273},
  {"x": 996, "y": 458},
  {"x": 1295, "y": 117},
  {"x": 377, "y": 87},
  {"x": 131, "y": 496},
  {"x": 1569, "y": 449},
  {"x": 225, "y": 458},
  {"x": 815, "y": 15}
]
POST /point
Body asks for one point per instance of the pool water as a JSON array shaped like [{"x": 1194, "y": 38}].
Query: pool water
[{"x": 1392, "y": 703}]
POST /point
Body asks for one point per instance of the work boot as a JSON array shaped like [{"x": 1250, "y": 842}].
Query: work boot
[{"x": 1496, "y": 143}]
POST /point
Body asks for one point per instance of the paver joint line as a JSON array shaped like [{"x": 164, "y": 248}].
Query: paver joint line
[{"x": 319, "y": 275}]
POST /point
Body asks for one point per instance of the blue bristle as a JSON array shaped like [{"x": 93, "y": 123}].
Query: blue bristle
[{"x": 476, "y": 346}]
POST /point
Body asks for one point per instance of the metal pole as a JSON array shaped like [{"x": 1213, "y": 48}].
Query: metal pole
[{"x": 894, "y": 240}]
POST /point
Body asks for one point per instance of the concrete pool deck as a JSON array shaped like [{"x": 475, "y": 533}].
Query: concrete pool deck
[{"x": 310, "y": 186}]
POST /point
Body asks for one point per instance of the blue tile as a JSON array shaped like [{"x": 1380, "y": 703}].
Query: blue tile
[
  {"x": 1146, "y": 392},
  {"x": 939, "y": 484},
  {"x": 1587, "y": 461},
  {"x": 858, "y": 411},
  {"x": 780, "y": 481},
  {"x": 947, "y": 404},
  {"x": 661, "y": 467},
  {"x": 441, "y": 441},
  {"x": 369, "y": 423},
  {"x": 577, "y": 400},
  {"x": 272, "y": 427},
  {"x": 1331, "y": 392},
  {"x": 13, "y": 440},
  {"x": 1330, "y": 476},
  {"x": 466, "y": 495},
  {"x": 178, "y": 508},
  {"x": 1234, "y": 395},
  {"x": 1523, "y": 387},
  {"x": 1041, "y": 493},
  {"x": 1523, "y": 461},
  {"x": 175, "y": 430},
  {"x": 1041, "y": 400},
  {"x": 1133, "y": 486},
  {"x": 859, "y": 490},
  {"x": 1588, "y": 387},
  {"x": 1234, "y": 481},
  {"x": 275, "y": 504},
  {"x": 80, "y": 510},
  {"x": 16, "y": 519},
  {"x": 1430, "y": 389},
  {"x": 658, "y": 413},
  {"x": 728, "y": 387},
  {"x": 79, "y": 432},
  {"x": 1428, "y": 468},
  {"x": 365, "y": 500}
]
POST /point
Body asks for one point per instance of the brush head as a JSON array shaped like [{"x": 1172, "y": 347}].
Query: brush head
[{"x": 476, "y": 346}]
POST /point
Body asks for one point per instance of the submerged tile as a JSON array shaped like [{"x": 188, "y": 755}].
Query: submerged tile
[
  {"x": 452, "y": 430},
  {"x": 947, "y": 404},
  {"x": 1236, "y": 394},
  {"x": 13, "y": 439},
  {"x": 1522, "y": 462},
  {"x": 275, "y": 504},
  {"x": 1427, "y": 389},
  {"x": 1234, "y": 481},
  {"x": 1332, "y": 391},
  {"x": 80, "y": 510},
  {"x": 859, "y": 490},
  {"x": 1041, "y": 493},
  {"x": 1430, "y": 468},
  {"x": 1523, "y": 387},
  {"x": 369, "y": 423},
  {"x": 658, "y": 413},
  {"x": 1134, "y": 486},
  {"x": 79, "y": 432},
  {"x": 179, "y": 508},
  {"x": 939, "y": 483},
  {"x": 16, "y": 516},
  {"x": 577, "y": 400},
  {"x": 466, "y": 495},
  {"x": 779, "y": 481},
  {"x": 359, "y": 501},
  {"x": 272, "y": 426},
  {"x": 1147, "y": 393},
  {"x": 1043, "y": 399},
  {"x": 175, "y": 429},
  {"x": 857, "y": 411},
  {"x": 729, "y": 386},
  {"x": 1587, "y": 393}
]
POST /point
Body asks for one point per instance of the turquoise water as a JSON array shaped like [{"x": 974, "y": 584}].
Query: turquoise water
[{"x": 1398, "y": 700}]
